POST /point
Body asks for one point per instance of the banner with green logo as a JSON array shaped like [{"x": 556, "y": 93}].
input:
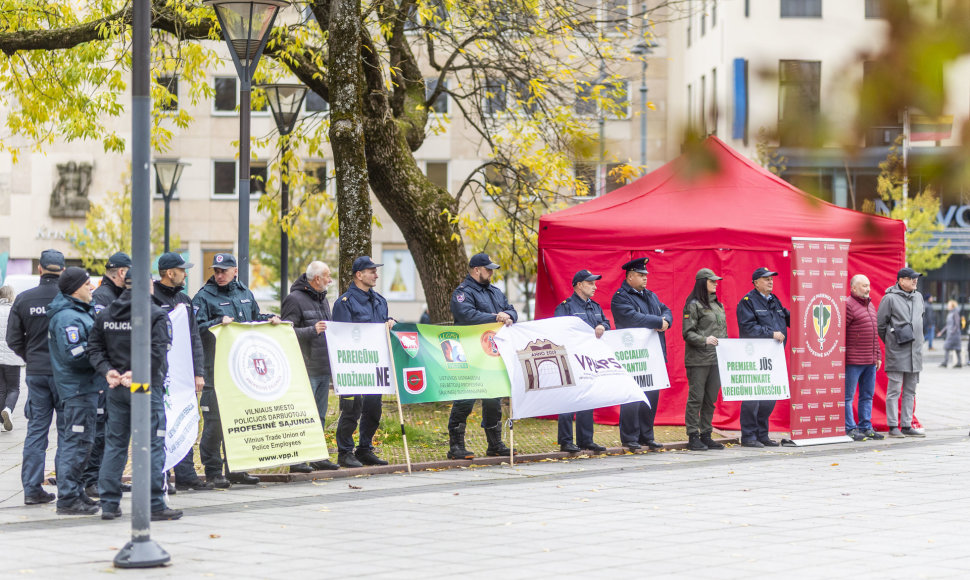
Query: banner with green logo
[
  {"x": 447, "y": 363},
  {"x": 269, "y": 417}
]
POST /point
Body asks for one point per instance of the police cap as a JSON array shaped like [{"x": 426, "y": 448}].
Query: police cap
[
  {"x": 118, "y": 260},
  {"x": 52, "y": 260},
  {"x": 363, "y": 263},
  {"x": 482, "y": 259},
  {"x": 762, "y": 272},
  {"x": 224, "y": 261},
  {"x": 584, "y": 276},
  {"x": 170, "y": 260},
  {"x": 637, "y": 265}
]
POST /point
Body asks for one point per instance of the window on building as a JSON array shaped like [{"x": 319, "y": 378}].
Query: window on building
[
  {"x": 703, "y": 17},
  {"x": 496, "y": 99},
  {"x": 615, "y": 16},
  {"x": 225, "y": 101},
  {"x": 714, "y": 103},
  {"x": 224, "y": 181},
  {"x": 690, "y": 107},
  {"x": 171, "y": 84},
  {"x": 799, "y": 83},
  {"x": 884, "y": 126},
  {"x": 690, "y": 21},
  {"x": 801, "y": 8},
  {"x": 315, "y": 103},
  {"x": 610, "y": 99},
  {"x": 713, "y": 14},
  {"x": 874, "y": 9},
  {"x": 315, "y": 177},
  {"x": 702, "y": 111},
  {"x": 440, "y": 104},
  {"x": 597, "y": 179},
  {"x": 437, "y": 173}
]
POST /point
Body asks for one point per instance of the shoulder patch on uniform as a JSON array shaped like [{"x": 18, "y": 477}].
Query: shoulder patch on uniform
[
  {"x": 168, "y": 324},
  {"x": 687, "y": 316},
  {"x": 195, "y": 308},
  {"x": 564, "y": 301},
  {"x": 745, "y": 297},
  {"x": 73, "y": 334},
  {"x": 460, "y": 297},
  {"x": 344, "y": 299},
  {"x": 98, "y": 308}
]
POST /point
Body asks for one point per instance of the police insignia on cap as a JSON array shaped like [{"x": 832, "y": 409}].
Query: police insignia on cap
[
  {"x": 73, "y": 335},
  {"x": 220, "y": 258}
]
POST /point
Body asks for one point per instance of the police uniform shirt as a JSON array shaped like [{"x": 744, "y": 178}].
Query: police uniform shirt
[
  {"x": 27, "y": 325},
  {"x": 105, "y": 294},
  {"x": 476, "y": 303},
  {"x": 355, "y": 305},
  {"x": 640, "y": 309},
  {"x": 587, "y": 310},
  {"x": 760, "y": 317}
]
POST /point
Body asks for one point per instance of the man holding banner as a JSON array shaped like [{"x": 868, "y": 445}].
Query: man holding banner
[
  {"x": 476, "y": 301},
  {"x": 360, "y": 303},
  {"x": 634, "y": 306},
  {"x": 760, "y": 315},
  {"x": 581, "y": 304}
]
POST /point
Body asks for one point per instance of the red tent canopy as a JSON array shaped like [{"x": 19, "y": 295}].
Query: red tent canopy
[{"x": 713, "y": 209}]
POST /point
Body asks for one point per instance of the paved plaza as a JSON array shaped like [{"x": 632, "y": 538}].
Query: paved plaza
[{"x": 895, "y": 508}]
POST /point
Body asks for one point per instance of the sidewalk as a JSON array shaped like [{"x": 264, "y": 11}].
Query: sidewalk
[{"x": 869, "y": 509}]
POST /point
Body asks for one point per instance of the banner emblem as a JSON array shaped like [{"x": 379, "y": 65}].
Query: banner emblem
[
  {"x": 819, "y": 319},
  {"x": 409, "y": 342},
  {"x": 452, "y": 350},
  {"x": 488, "y": 343},
  {"x": 258, "y": 367},
  {"x": 821, "y": 316},
  {"x": 414, "y": 380},
  {"x": 545, "y": 365}
]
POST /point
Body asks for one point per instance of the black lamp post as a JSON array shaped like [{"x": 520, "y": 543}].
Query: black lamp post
[
  {"x": 285, "y": 100},
  {"x": 167, "y": 175},
  {"x": 245, "y": 28},
  {"x": 643, "y": 49}
]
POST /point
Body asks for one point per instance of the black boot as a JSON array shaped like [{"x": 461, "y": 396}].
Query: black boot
[
  {"x": 495, "y": 446},
  {"x": 694, "y": 443},
  {"x": 456, "y": 444},
  {"x": 710, "y": 443}
]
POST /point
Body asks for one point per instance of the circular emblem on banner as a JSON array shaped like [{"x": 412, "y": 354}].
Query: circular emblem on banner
[
  {"x": 488, "y": 343},
  {"x": 821, "y": 324},
  {"x": 258, "y": 366},
  {"x": 627, "y": 339},
  {"x": 415, "y": 381},
  {"x": 749, "y": 349}
]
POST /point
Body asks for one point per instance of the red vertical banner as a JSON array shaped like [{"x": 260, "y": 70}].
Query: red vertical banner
[{"x": 819, "y": 280}]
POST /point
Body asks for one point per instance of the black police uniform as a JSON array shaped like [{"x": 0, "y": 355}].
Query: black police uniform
[
  {"x": 590, "y": 312},
  {"x": 355, "y": 305},
  {"x": 478, "y": 303},
  {"x": 27, "y": 337},
  {"x": 633, "y": 309},
  {"x": 759, "y": 317},
  {"x": 109, "y": 347},
  {"x": 105, "y": 294},
  {"x": 211, "y": 303}
]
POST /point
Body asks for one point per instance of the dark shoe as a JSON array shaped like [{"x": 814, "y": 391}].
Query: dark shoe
[
  {"x": 456, "y": 444},
  {"x": 171, "y": 489},
  {"x": 166, "y": 514},
  {"x": 957, "y": 366},
  {"x": 325, "y": 465},
  {"x": 301, "y": 468},
  {"x": 874, "y": 435},
  {"x": 592, "y": 447},
  {"x": 125, "y": 488},
  {"x": 91, "y": 491},
  {"x": 459, "y": 452},
  {"x": 110, "y": 513},
  {"x": 569, "y": 448},
  {"x": 913, "y": 432},
  {"x": 856, "y": 435},
  {"x": 219, "y": 481},
  {"x": 348, "y": 460},
  {"x": 42, "y": 497},
  {"x": 752, "y": 443},
  {"x": 243, "y": 478},
  {"x": 197, "y": 485},
  {"x": 769, "y": 442},
  {"x": 632, "y": 446},
  {"x": 78, "y": 508},
  {"x": 694, "y": 442},
  {"x": 943, "y": 365},
  {"x": 368, "y": 457},
  {"x": 496, "y": 447},
  {"x": 895, "y": 433},
  {"x": 52, "y": 481},
  {"x": 87, "y": 500},
  {"x": 710, "y": 443},
  {"x": 654, "y": 445}
]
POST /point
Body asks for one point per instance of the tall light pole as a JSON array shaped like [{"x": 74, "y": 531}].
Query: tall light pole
[
  {"x": 642, "y": 50},
  {"x": 168, "y": 172},
  {"x": 601, "y": 169},
  {"x": 285, "y": 100},
  {"x": 245, "y": 27}
]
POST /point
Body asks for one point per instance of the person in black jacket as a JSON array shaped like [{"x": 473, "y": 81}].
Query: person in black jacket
[
  {"x": 476, "y": 301},
  {"x": 167, "y": 294},
  {"x": 581, "y": 304},
  {"x": 27, "y": 338},
  {"x": 760, "y": 315},
  {"x": 109, "y": 350},
  {"x": 307, "y": 308},
  {"x": 634, "y": 306}
]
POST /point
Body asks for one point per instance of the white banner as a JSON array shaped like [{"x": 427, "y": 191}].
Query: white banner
[
  {"x": 752, "y": 369},
  {"x": 557, "y": 365},
  {"x": 181, "y": 404},
  {"x": 641, "y": 354},
  {"x": 360, "y": 360}
]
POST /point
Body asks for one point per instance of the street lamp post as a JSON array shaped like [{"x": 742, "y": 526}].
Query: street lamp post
[
  {"x": 168, "y": 172},
  {"x": 245, "y": 28},
  {"x": 642, "y": 50},
  {"x": 285, "y": 100},
  {"x": 601, "y": 170}
]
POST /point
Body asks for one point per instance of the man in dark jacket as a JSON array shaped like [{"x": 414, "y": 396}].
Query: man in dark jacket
[
  {"x": 862, "y": 358},
  {"x": 27, "y": 338},
  {"x": 78, "y": 384},
  {"x": 477, "y": 301},
  {"x": 634, "y": 306},
  {"x": 760, "y": 315},
  {"x": 899, "y": 322},
  {"x": 109, "y": 350},
  {"x": 222, "y": 300},
  {"x": 307, "y": 308},
  {"x": 360, "y": 303},
  {"x": 167, "y": 295},
  {"x": 581, "y": 304}
]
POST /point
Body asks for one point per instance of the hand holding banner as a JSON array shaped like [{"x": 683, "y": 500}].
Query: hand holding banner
[{"x": 752, "y": 369}]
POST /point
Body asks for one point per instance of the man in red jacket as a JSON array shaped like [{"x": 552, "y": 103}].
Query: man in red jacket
[{"x": 862, "y": 358}]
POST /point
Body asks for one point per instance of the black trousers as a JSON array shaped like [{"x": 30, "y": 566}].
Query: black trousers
[
  {"x": 210, "y": 443},
  {"x": 363, "y": 409},
  {"x": 754, "y": 419},
  {"x": 636, "y": 419},
  {"x": 9, "y": 386},
  {"x": 584, "y": 428},
  {"x": 491, "y": 413}
]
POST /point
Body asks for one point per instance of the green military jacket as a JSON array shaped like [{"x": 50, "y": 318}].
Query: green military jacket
[{"x": 699, "y": 323}]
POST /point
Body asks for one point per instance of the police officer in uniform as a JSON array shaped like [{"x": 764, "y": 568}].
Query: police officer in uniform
[
  {"x": 167, "y": 294},
  {"x": 223, "y": 299},
  {"x": 760, "y": 315},
  {"x": 581, "y": 304},
  {"x": 360, "y": 303},
  {"x": 27, "y": 338},
  {"x": 78, "y": 384},
  {"x": 634, "y": 306},
  {"x": 109, "y": 350},
  {"x": 476, "y": 301}
]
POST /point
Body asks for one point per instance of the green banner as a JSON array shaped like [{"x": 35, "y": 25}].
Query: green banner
[
  {"x": 447, "y": 363},
  {"x": 268, "y": 413}
]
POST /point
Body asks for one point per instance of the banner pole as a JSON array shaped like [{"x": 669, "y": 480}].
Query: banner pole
[
  {"x": 511, "y": 439},
  {"x": 397, "y": 393}
]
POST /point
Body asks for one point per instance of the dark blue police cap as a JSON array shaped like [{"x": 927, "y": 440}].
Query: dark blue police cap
[
  {"x": 584, "y": 276},
  {"x": 52, "y": 260},
  {"x": 907, "y": 273},
  {"x": 482, "y": 259},
  {"x": 637, "y": 265},
  {"x": 224, "y": 261},
  {"x": 363, "y": 263},
  {"x": 118, "y": 260},
  {"x": 762, "y": 272},
  {"x": 170, "y": 260}
]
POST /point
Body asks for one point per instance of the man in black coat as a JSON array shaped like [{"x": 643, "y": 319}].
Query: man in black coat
[
  {"x": 307, "y": 308},
  {"x": 477, "y": 301},
  {"x": 27, "y": 338},
  {"x": 634, "y": 306}
]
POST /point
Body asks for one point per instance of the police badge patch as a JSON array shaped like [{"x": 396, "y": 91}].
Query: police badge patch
[
  {"x": 73, "y": 335},
  {"x": 460, "y": 297}
]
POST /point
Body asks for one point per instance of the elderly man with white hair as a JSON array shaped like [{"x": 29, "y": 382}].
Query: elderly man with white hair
[
  {"x": 307, "y": 308},
  {"x": 862, "y": 358}
]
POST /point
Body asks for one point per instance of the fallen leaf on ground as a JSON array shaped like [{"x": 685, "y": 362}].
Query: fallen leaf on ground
[
  {"x": 352, "y": 486},
  {"x": 214, "y": 536}
]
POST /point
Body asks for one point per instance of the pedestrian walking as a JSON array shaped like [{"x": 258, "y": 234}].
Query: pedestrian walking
[
  {"x": 704, "y": 323},
  {"x": 952, "y": 331},
  {"x": 11, "y": 365}
]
